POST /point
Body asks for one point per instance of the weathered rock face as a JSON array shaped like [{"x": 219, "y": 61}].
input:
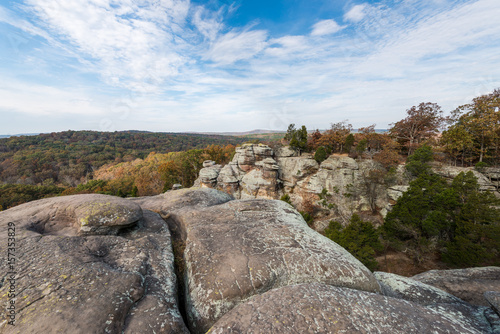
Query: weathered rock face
[
  {"x": 317, "y": 308},
  {"x": 408, "y": 289},
  {"x": 467, "y": 284},
  {"x": 116, "y": 276},
  {"x": 450, "y": 172},
  {"x": 436, "y": 299},
  {"x": 101, "y": 264},
  {"x": 493, "y": 297},
  {"x": 243, "y": 248},
  {"x": 253, "y": 173},
  {"x": 258, "y": 172}
]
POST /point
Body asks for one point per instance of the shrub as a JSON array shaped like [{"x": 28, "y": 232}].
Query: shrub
[{"x": 359, "y": 238}]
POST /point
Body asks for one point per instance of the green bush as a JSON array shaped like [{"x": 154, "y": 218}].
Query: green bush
[
  {"x": 418, "y": 162},
  {"x": 359, "y": 238},
  {"x": 320, "y": 155}
]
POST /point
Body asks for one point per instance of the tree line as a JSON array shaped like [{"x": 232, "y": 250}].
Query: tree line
[{"x": 454, "y": 220}]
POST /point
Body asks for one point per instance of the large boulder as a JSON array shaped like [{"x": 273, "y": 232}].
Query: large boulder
[
  {"x": 243, "y": 248},
  {"x": 493, "y": 298},
  {"x": 451, "y": 172},
  {"x": 408, "y": 289},
  {"x": 318, "y": 308},
  {"x": 116, "y": 277},
  {"x": 178, "y": 199},
  {"x": 468, "y": 284},
  {"x": 75, "y": 215}
]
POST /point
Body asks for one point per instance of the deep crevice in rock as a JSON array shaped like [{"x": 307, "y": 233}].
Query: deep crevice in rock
[{"x": 178, "y": 247}]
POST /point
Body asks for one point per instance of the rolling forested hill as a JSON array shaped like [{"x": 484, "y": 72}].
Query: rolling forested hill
[{"x": 67, "y": 157}]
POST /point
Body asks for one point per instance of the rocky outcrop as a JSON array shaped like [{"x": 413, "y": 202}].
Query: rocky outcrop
[
  {"x": 493, "y": 297},
  {"x": 242, "y": 248},
  {"x": 88, "y": 264},
  {"x": 332, "y": 190},
  {"x": 318, "y": 308},
  {"x": 468, "y": 284},
  {"x": 436, "y": 299},
  {"x": 258, "y": 172},
  {"x": 451, "y": 171},
  {"x": 253, "y": 173},
  {"x": 191, "y": 259}
]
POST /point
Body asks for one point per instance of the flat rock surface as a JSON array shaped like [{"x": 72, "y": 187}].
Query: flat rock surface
[
  {"x": 242, "y": 248},
  {"x": 468, "y": 284},
  {"x": 493, "y": 297},
  {"x": 74, "y": 215},
  {"x": 101, "y": 283},
  {"x": 408, "y": 289},
  {"x": 178, "y": 199},
  {"x": 318, "y": 308}
]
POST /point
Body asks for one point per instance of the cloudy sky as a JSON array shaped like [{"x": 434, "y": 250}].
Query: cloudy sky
[{"x": 221, "y": 65}]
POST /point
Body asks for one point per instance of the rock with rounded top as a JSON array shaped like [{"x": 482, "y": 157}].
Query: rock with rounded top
[
  {"x": 112, "y": 281},
  {"x": 408, "y": 289},
  {"x": 90, "y": 214},
  {"x": 243, "y": 248},
  {"x": 493, "y": 298},
  {"x": 178, "y": 199},
  {"x": 467, "y": 284},
  {"x": 319, "y": 308},
  {"x": 208, "y": 163}
]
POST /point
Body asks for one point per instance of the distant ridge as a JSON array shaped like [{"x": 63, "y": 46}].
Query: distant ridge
[
  {"x": 245, "y": 133},
  {"x": 20, "y": 134}
]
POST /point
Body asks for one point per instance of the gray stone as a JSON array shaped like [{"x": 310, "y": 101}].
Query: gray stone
[
  {"x": 242, "y": 248},
  {"x": 318, "y": 308},
  {"x": 467, "y": 284},
  {"x": 408, "y": 289},
  {"x": 174, "y": 200},
  {"x": 100, "y": 283},
  {"x": 493, "y": 297},
  {"x": 76, "y": 215}
]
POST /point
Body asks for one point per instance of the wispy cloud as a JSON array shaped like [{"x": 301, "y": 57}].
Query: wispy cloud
[
  {"x": 355, "y": 14},
  {"x": 190, "y": 70},
  {"x": 325, "y": 27},
  {"x": 235, "y": 46}
]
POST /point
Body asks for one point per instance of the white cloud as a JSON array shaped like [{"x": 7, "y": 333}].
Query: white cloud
[
  {"x": 325, "y": 27},
  {"x": 207, "y": 23},
  {"x": 355, "y": 14},
  {"x": 208, "y": 76},
  {"x": 131, "y": 44},
  {"x": 235, "y": 46}
]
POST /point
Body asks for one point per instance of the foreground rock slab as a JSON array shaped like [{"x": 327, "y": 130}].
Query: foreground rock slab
[
  {"x": 318, "y": 308},
  {"x": 436, "y": 299},
  {"x": 468, "y": 284},
  {"x": 242, "y": 248},
  {"x": 118, "y": 279}
]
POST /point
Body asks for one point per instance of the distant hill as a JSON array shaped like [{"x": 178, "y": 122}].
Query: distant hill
[
  {"x": 70, "y": 156},
  {"x": 19, "y": 134},
  {"x": 244, "y": 133}
]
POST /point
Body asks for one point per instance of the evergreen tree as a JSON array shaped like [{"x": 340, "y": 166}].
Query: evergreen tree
[{"x": 359, "y": 238}]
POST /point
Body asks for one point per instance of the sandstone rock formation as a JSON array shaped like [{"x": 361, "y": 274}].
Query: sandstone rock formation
[
  {"x": 89, "y": 264},
  {"x": 190, "y": 259},
  {"x": 318, "y": 308},
  {"x": 352, "y": 186},
  {"x": 468, "y": 284},
  {"x": 243, "y": 248},
  {"x": 436, "y": 299}
]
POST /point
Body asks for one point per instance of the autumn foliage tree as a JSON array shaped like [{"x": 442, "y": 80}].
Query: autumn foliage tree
[
  {"x": 421, "y": 123},
  {"x": 475, "y": 129},
  {"x": 335, "y": 137}
]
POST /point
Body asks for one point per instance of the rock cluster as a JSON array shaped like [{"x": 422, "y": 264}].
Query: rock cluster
[
  {"x": 197, "y": 261},
  {"x": 256, "y": 171}
]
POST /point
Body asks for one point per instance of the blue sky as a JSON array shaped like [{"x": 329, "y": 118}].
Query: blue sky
[{"x": 220, "y": 65}]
